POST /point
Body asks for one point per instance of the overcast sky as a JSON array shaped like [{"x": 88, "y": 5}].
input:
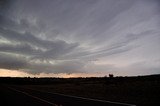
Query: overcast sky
[{"x": 80, "y": 37}]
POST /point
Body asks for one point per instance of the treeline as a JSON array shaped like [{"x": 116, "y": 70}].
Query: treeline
[
  {"x": 28, "y": 80},
  {"x": 93, "y": 80}
]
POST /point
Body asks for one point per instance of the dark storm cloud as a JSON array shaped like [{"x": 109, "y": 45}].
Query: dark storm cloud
[
  {"x": 24, "y": 49},
  {"x": 59, "y": 67},
  {"x": 51, "y": 48},
  {"x": 4, "y": 4},
  {"x": 12, "y": 62},
  {"x": 57, "y": 36},
  {"x": 29, "y": 38}
]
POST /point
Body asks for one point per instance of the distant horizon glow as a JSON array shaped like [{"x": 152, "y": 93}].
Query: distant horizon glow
[
  {"x": 73, "y": 38},
  {"x": 15, "y": 73}
]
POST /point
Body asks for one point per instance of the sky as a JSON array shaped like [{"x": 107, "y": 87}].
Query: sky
[{"x": 79, "y": 38}]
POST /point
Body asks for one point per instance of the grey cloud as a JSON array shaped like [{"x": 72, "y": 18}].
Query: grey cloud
[
  {"x": 12, "y": 62},
  {"x": 23, "y": 49},
  {"x": 56, "y": 36},
  {"x": 24, "y": 37},
  {"x": 88, "y": 19},
  {"x": 67, "y": 67},
  {"x": 20, "y": 25},
  {"x": 6, "y": 22},
  {"x": 100, "y": 68},
  {"x": 52, "y": 48},
  {"x": 142, "y": 68},
  {"x": 120, "y": 46},
  {"x": 101, "y": 53},
  {"x": 56, "y": 52}
]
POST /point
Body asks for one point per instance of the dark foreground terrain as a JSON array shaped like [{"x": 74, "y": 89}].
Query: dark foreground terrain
[{"x": 116, "y": 91}]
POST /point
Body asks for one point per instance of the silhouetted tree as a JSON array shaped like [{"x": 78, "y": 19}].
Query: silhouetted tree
[{"x": 111, "y": 75}]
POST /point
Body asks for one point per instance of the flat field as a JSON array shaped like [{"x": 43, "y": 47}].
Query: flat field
[{"x": 144, "y": 90}]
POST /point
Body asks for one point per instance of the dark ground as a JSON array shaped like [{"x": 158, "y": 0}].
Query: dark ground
[
  {"x": 18, "y": 96},
  {"x": 11, "y": 98},
  {"x": 142, "y": 91}
]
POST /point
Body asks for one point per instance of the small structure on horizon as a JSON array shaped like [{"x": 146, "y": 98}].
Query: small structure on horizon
[{"x": 111, "y": 75}]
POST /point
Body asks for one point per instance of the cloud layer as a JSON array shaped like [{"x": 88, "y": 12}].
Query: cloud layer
[{"x": 90, "y": 36}]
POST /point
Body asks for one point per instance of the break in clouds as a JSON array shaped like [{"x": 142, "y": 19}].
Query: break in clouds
[{"x": 80, "y": 36}]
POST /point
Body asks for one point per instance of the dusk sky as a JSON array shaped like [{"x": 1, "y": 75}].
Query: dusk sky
[{"x": 76, "y": 38}]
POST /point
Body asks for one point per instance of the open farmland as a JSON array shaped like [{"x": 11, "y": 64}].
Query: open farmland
[{"x": 144, "y": 90}]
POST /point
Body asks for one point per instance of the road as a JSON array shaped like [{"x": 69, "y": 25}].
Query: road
[
  {"x": 9, "y": 97},
  {"x": 18, "y": 96}
]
